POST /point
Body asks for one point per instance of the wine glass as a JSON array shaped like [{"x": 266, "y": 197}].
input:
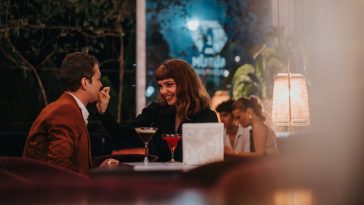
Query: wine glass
[
  {"x": 146, "y": 134},
  {"x": 172, "y": 141}
]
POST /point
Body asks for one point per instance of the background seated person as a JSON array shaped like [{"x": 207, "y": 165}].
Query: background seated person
[
  {"x": 236, "y": 138},
  {"x": 248, "y": 112}
]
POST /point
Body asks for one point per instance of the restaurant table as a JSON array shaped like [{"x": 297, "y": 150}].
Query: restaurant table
[
  {"x": 145, "y": 174},
  {"x": 129, "y": 183},
  {"x": 135, "y": 167},
  {"x": 152, "y": 183},
  {"x": 161, "y": 166}
]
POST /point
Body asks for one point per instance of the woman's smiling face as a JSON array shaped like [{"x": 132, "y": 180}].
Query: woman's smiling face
[{"x": 168, "y": 90}]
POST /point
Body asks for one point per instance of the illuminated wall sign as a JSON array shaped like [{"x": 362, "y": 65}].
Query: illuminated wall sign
[
  {"x": 215, "y": 36},
  {"x": 210, "y": 38}
]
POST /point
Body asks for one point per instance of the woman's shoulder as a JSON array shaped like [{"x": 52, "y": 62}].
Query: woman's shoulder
[
  {"x": 206, "y": 115},
  {"x": 157, "y": 108},
  {"x": 154, "y": 105},
  {"x": 260, "y": 128},
  {"x": 208, "y": 110}
]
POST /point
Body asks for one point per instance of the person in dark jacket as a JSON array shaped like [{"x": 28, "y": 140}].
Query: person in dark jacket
[
  {"x": 59, "y": 134},
  {"x": 182, "y": 99}
]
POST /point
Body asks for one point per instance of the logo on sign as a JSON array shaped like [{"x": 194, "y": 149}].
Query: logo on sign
[{"x": 209, "y": 38}]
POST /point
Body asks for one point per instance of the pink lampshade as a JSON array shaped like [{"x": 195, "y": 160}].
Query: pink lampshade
[{"x": 290, "y": 100}]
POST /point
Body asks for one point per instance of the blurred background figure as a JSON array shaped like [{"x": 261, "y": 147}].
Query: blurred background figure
[
  {"x": 236, "y": 138},
  {"x": 248, "y": 112}
]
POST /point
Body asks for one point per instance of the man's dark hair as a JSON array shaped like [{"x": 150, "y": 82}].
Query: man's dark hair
[
  {"x": 226, "y": 106},
  {"x": 74, "y": 67}
]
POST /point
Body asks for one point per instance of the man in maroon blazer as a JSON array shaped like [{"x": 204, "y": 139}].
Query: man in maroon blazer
[{"x": 59, "y": 134}]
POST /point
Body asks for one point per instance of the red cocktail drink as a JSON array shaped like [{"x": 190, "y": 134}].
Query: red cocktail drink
[{"x": 172, "y": 141}]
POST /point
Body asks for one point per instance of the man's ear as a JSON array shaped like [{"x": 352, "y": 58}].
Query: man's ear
[{"x": 84, "y": 83}]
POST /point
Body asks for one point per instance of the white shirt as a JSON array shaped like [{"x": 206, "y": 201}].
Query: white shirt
[
  {"x": 241, "y": 141},
  {"x": 83, "y": 108}
]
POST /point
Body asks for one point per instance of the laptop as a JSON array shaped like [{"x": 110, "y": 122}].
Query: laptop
[{"x": 202, "y": 143}]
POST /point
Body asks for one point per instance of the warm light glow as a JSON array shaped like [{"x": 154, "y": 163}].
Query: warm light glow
[
  {"x": 219, "y": 97},
  {"x": 290, "y": 106},
  {"x": 293, "y": 197}
]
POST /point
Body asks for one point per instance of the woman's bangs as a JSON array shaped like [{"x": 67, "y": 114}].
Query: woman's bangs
[{"x": 163, "y": 73}]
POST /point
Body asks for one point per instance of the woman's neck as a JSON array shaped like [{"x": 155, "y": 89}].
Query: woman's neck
[{"x": 256, "y": 120}]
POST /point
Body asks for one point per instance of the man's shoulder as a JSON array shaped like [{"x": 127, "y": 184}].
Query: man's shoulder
[
  {"x": 65, "y": 103},
  {"x": 64, "y": 106}
]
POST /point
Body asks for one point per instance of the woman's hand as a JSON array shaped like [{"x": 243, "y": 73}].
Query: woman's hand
[
  {"x": 229, "y": 151},
  {"x": 104, "y": 98}
]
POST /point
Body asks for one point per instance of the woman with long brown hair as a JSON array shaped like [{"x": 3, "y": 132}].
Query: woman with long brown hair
[
  {"x": 182, "y": 99},
  {"x": 248, "y": 112}
]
